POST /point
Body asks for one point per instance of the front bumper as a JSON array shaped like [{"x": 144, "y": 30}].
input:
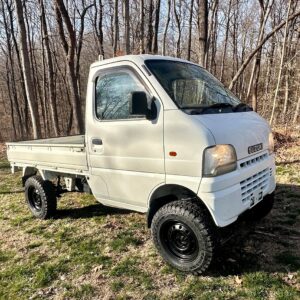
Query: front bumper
[{"x": 229, "y": 195}]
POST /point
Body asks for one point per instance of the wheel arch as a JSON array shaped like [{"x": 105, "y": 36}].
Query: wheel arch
[
  {"x": 28, "y": 172},
  {"x": 167, "y": 193}
]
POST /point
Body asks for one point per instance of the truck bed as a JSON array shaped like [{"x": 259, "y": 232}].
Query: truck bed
[{"x": 66, "y": 154}]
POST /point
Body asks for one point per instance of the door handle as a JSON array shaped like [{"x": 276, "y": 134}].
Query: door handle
[{"x": 97, "y": 142}]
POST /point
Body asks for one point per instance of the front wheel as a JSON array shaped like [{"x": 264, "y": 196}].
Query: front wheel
[
  {"x": 40, "y": 197},
  {"x": 182, "y": 233}
]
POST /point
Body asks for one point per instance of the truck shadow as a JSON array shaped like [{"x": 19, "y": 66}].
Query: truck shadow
[
  {"x": 270, "y": 245},
  {"x": 89, "y": 211}
]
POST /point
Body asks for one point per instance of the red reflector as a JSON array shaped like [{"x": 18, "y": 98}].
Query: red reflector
[{"x": 172, "y": 153}]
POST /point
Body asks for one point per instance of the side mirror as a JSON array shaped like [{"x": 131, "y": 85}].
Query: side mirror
[{"x": 139, "y": 105}]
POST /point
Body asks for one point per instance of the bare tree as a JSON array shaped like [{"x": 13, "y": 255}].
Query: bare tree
[
  {"x": 212, "y": 37},
  {"x": 228, "y": 37},
  {"x": 178, "y": 24},
  {"x": 127, "y": 28},
  {"x": 226, "y": 41},
  {"x": 156, "y": 26},
  {"x": 166, "y": 28},
  {"x": 142, "y": 29},
  {"x": 70, "y": 52},
  {"x": 150, "y": 27},
  {"x": 264, "y": 40},
  {"x": 32, "y": 102},
  {"x": 254, "y": 78},
  {"x": 203, "y": 31},
  {"x": 50, "y": 70},
  {"x": 98, "y": 26},
  {"x": 190, "y": 30},
  {"x": 116, "y": 27},
  {"x": 281, "y": 62}
]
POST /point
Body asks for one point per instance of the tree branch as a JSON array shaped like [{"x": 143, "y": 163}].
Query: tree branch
[{"x": 260, "y": 45}]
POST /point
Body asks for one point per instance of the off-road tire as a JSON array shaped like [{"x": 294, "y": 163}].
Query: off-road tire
[
  {"x": 40, "y": 197},
  {"x": 193, "y": 218}
]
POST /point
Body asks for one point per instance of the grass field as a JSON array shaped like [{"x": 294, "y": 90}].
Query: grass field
[{"x": 93, "y": 252}]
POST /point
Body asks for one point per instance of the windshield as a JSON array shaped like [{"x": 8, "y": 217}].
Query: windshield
[{"x": 190, "y": 86}]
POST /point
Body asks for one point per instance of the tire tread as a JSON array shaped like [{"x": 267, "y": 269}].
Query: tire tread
[
  {"x": 193, "y": 211},
  {"x": 47, "y": 193}
]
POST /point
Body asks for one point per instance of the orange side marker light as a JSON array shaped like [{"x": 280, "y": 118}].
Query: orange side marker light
[{"x": 173, "y": 153}]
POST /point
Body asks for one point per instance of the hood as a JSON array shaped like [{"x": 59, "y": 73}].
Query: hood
[{"x": 241, "y": 130}]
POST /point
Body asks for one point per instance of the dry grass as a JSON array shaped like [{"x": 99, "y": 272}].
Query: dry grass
[{"x": 93, "y": 252}]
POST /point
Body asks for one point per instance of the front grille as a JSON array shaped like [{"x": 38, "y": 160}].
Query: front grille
[
  {"x": 253, "y": 160},
  {"x": 254, "y": 182}
]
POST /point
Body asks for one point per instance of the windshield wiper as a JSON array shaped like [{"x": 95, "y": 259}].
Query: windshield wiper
[
  {"x": 242, "y": 107},
  {"x": 217, "y": 106},
  {"x": 194, "y": 110}
]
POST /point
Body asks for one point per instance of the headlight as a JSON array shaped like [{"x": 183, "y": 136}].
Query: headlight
[
  {"x": 271, "y": 143},
  {"x": 218, "y": 160}
]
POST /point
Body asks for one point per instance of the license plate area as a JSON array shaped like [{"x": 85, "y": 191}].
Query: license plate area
[{"x": 256, "y": 196}]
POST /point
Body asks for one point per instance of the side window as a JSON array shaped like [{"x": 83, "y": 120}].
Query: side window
[{"x": 112, "y": 94}]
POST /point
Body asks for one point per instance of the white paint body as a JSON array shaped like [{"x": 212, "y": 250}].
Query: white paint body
[{"x": 134, "y": 161}]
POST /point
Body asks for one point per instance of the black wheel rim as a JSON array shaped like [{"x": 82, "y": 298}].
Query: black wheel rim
[
  {"x": 34, "y": 198},
  {"x": 179, "y": 240}
]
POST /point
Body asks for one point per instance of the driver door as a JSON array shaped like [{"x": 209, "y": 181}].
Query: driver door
[{"x": 125, "y": 151}]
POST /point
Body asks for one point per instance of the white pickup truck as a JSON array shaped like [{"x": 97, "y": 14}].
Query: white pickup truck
[{"x": 163, "y": 136}]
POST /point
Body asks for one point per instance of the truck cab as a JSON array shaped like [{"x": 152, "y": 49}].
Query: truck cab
[
  {"x": 165, "y": 137},
  {"x": 188, "y": 135}
]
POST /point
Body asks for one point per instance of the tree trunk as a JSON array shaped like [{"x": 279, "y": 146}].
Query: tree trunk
[
  {"x": 203, "y": 30},
  {"x": 211, "y": 34},
  {"x": 150, "y": 28},
  {"x": 142, "y": 30},
  {"x": 281, "y": 64},
  {"x": 11, "y": 82},
  {"x": 116, "y": 26},
  {"x": 50, "y": 70},
  {"x": 286, "y": 97},
  {"x": 166, "y": 28},
  {"x": 70, "y": 49},
  {"x": 98, "y": 26},
  {"x": 251, "y": 55},
  {"x": 33, "y": 107},
  {"x": 190, "y": 31},
  {"x": 297, "y": 110},
  {"x": 156, "y": 26},
  {"x": 254, "y": 78},
  {"x": 178, "y": 24},
  {"x": 225, "y": 42},
  {"x": 127, "y": 27}
]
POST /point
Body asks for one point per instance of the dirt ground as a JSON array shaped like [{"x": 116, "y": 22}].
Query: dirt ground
[{"x": 93, "y": 252}]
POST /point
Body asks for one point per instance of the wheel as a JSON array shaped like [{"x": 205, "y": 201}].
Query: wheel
[
  {"x": 183, "y": 234},
  {"x": 40, "y": 197},
  {"x": 262, "y": 209}
]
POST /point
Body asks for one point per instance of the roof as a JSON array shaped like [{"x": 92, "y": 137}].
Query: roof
[{"x": 138, "y": 59}]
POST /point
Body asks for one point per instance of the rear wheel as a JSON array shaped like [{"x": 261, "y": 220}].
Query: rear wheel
[
  {"x": 40, "y": 197},
  {"x": 183, "y": 234}
]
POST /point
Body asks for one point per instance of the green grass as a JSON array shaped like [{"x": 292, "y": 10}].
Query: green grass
[
  {"x": 126, "y": 267},
  {"x": 49, "y": 272},
  {"x": 4, "y": 165},
  {"x": 85, "y": 291},
  {"x": 123, "y": 240},
  {"x": 117, "y": 285},
  {"x": 92, "y": 252}
]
